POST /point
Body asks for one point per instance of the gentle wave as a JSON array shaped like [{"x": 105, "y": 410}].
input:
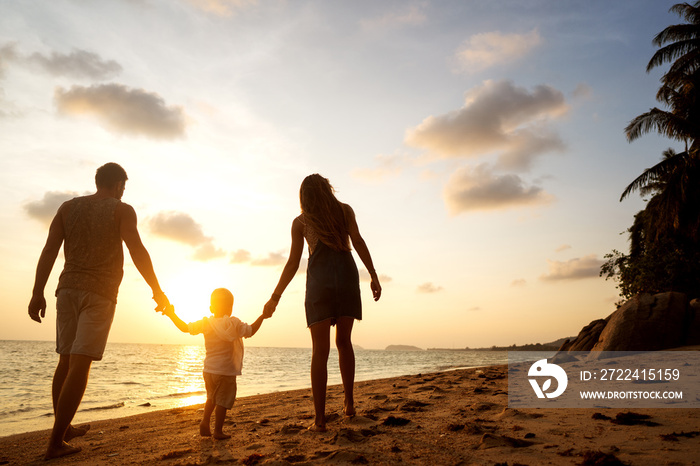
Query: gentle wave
[{"x": 98, "y": 408}]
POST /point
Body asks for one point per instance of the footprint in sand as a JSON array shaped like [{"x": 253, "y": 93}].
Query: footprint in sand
[
  {"x": 413, "y": 406},
  {"x": 510, "y": 412},
  {"x": 493, "y": 441},
  {"x": 345, "y": 437}
]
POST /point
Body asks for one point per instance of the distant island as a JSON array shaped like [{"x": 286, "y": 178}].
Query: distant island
[
  {"x": 551, "y": 346},
  {"x": 402, "y": 348}
]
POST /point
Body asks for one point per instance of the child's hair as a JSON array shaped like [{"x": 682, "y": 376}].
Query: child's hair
[
  {"x": 323, "y": 212},
  {"x": 221, "y": 298}
]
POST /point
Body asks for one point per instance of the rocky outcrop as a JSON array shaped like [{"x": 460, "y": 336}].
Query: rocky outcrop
[
  {"x": 644, "y": 323},
  {"x": 587, "y": 337}
]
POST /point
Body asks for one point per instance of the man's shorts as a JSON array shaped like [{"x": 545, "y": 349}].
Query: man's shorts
[
  {"x": 221, "y": 389},
  {"x": 83, "y": 320}
]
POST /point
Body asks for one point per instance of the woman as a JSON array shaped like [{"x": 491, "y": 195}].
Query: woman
[{"x": 332, "y": 284}]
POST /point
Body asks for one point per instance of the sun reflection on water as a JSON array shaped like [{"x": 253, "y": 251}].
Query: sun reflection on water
[{"x": 189, "y": 382}]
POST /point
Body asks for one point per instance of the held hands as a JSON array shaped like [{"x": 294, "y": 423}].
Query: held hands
[
  {"x": 161, "y": 301},
  {"x": 269, "y": 308},
  {"x": 169, "y": 310},
  {"x": 37, "y": 308}
]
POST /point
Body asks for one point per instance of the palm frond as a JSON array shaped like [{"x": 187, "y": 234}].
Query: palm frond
[{"x": 652, "y": 176}]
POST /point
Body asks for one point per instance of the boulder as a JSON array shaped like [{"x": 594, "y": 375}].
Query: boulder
[
  {"x": 586, "y": 338},
  {"x": 646, "y": 323}
]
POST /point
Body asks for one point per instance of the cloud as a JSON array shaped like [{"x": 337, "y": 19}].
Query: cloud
[
  {"x": 45, "y": 209},
  {"x": 497, "y": 117},
  {"x": 182, "y": 228},
  {"x": 518, "y": 283},
  {"x": 474, "y": 189},
  {"x": 582, "y": 91},
  {"x": 222, "y": 7},
  {"x": 8, "y": 54},
  {"x": 241, "y": 256},
  {"x": 365, "y": 277},
  {"x": 77, "y": 64},
  {"x": 207, "y": 252},
  {"x": 574, "y": 269},
  {"x": 272, "y": 259},
  {"x": 429, "y": 288},
  {"x": 410, "y": 15},
  {"x": 123, "y": 110},
  {"x": 563, "y": 247},
  {"x": 482, "y": 51},
  {"x": 386, "y": 166}
]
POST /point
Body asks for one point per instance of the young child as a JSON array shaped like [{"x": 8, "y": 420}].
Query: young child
[{"x": 223, "y": 339}]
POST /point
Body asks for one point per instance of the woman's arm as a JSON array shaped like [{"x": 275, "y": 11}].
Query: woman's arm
[
  {"x": 290, "y": 268},
  {"x": 363, "y": 251}
]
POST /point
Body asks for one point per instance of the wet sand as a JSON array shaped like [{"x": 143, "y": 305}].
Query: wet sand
[{"x": 446, "y": 418}]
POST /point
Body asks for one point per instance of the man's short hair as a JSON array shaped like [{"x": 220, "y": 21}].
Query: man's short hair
[{"x": 109, "y": 175}]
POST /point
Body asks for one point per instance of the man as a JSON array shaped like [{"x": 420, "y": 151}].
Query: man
[{"x": 92, "y": 228}]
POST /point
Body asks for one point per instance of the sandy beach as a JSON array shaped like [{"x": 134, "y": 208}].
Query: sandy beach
[{"x": 454, "y": 417}]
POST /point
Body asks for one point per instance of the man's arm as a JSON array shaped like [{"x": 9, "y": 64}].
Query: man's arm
[
  {"x": 37, "y": 305},
  {"x": 142, "y": 260}
]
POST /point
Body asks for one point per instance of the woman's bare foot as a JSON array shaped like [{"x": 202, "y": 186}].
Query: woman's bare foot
[
  {"x": 204, "y": 430},
  {"x": 63, "y": 450},
  {"x": 349, "y": 408},
  {"x": 74, "y": 432},
  {"x": 221, "y": 436}
]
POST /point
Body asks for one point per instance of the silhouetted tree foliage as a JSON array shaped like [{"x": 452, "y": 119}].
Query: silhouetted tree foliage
[{"x": 664, "y": 236}]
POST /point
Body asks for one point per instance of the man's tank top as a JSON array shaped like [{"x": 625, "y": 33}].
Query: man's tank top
[{"x": 92, "y": 247}]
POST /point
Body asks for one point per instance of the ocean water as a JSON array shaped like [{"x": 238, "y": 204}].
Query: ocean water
[{"x": 137, "y": 378}]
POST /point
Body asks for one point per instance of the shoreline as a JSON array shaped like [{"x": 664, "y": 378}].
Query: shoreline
[{"x": 447, "y": 417}]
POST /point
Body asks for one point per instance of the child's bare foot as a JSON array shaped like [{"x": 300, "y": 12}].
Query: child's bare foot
[
  {"x": 204, "y": 430},
  {"x": 63, "y": 450},
  {"x": 74, "y": 432},
  {"x": 221, "y": 436}
]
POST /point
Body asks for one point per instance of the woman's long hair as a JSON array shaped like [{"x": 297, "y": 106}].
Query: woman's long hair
[{"x": 323, "y": 213}]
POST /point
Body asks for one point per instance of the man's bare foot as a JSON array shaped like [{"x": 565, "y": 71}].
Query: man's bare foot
[
  {"x": 74, "y": 432},
  {"x": 204, "y": 430},
  {"x": 317, "y": 428},
  {"x": 221, "y": 436},
  {"x": 63, "y": 450}
]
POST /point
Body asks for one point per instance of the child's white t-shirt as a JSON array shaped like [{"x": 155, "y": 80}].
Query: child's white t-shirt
[{"x": 223, "y": 339}]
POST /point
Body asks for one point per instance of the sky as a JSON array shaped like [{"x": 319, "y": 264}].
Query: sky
[{"x": 481, "y": 145}]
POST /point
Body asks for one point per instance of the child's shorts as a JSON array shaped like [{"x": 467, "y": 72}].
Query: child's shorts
[{"x": 221, "y": 389}]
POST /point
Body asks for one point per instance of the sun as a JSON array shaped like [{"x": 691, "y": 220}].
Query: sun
[{"x": 189, "y": 289}]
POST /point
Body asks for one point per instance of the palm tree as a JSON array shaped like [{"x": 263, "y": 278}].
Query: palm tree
[
  {"x": 674, "y": 180},
  {"x": 679, "y": 45},
  {"x": 664, "y": 236}
]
